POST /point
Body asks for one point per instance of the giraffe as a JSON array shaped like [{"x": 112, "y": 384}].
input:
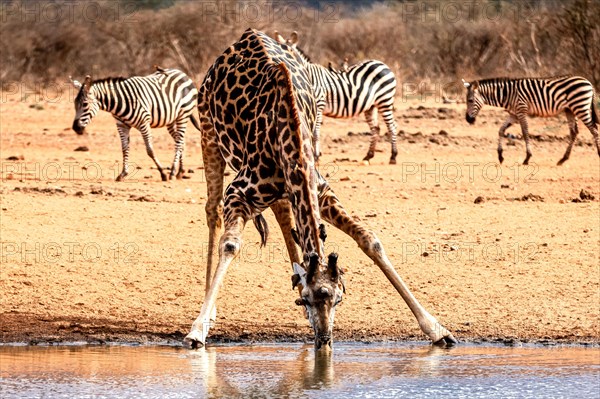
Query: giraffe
[{"x": 257, "y": 112}]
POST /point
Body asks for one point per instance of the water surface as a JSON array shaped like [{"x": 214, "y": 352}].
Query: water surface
[{"x": 395, "y": 370}]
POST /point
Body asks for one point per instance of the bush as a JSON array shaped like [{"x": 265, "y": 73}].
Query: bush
[{"x": 421, "y": 41}]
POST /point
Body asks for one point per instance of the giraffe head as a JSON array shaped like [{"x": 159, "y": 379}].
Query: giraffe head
[
  {"x": 86, "y": 105},
  {"x": 474, "y": 100},
  {"x": 322, "y": 290}
]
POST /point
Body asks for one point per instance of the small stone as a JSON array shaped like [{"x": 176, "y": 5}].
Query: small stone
[
  {"x": 586, "y": 195},
  {"x": 425, "y": 254},
  {"x": 82, "y": 148},
  {"x": 479, "y": 200}
]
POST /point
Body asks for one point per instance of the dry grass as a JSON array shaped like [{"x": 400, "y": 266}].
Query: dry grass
[{"x": 43, "y": 43}]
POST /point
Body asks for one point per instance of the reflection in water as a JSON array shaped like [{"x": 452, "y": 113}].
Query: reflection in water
[{"x": 281, "y": 371}]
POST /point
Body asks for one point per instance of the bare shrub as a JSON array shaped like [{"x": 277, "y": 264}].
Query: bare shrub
[{"x": 429, "y": 41}]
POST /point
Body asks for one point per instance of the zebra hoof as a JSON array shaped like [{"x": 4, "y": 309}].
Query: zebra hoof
[
  {"x": 164, "y": 177},
  {"x": 561, "y": 161},
  {"x": 392, "y": 162}
]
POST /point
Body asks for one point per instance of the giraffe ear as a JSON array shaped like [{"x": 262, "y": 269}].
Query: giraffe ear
[
  {"x": 279, "y": 38},
  {"x": 299, "y": 276}
]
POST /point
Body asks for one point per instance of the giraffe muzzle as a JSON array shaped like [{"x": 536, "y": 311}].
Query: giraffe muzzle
[{"x": 323, "y": 342}]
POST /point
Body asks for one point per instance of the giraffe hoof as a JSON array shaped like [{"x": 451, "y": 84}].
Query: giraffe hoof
[
  {"x": 164, "y": 177},
  {"x": 392, "y": 162},
  {"x": 446, "y": 341},
  {"x": 194, "y": 340}
]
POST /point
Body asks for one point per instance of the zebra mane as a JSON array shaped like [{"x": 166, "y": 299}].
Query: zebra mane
[
  {"x": 302, "y": 53},
  {"x": 111, "y": 79},
  {"x": 504, "y": 79}
]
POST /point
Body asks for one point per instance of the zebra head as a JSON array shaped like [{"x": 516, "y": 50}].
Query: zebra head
[
  {"x": 86, "y": 105},
  {"x": 474, "y": 100},
  {"x": 322, "y": 291}
]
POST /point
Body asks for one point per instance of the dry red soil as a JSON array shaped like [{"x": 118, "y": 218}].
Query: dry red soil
[{"x": 85, "y": 258}]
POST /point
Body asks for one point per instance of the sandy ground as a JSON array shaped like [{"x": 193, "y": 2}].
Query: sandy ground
[{"x": 87, "y": 259}]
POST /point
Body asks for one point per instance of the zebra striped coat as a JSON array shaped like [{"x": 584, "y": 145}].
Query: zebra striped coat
[
  {"x": 165, "y": 98},
  {"x": 536, "y": 97},
  {"x": 367, "y": 87}
]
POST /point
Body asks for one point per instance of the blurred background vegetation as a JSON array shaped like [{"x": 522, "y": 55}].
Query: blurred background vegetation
[{"x": 422, "y": 41}]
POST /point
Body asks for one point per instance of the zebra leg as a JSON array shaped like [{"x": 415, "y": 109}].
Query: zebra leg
[
  {"x": 573, "y": 131},
  {"x": 593, "y": 128},
  {"x": 316, "y": 134},
  {"x": 507, "y": 123},
  {"x": 525, "y": 130},
  {"x": 333, "y": 212},
  {"x": 147, "y": 135},
  {"x": 388, "y": 117},
  {"x": 371, "y": 116},
  {"x": 177, "y": 131},
  {"x": 124, "y": 135}
]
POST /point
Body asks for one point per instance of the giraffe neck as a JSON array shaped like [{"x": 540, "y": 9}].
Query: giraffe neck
[{"x": 299, "y": 168}]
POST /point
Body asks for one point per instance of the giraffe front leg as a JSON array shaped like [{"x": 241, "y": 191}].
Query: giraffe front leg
[
  {"x": 334, "y": 213},
  {"x": 283, "y": 213},
  {"x": 214, "y": 168},
  {"x": 124, "y": 136},
  {"x": 229, "y": 247}
]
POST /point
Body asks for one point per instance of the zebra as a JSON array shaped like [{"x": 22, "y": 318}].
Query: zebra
[
  {"x": 367, "y": 87},
  {"x": 165, "y": 98},
  {"x": 536, "y": 97}
]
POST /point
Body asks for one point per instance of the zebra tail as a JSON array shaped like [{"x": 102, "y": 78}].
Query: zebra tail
[
  {"x": 595, "y": 118},
  {"x": 195, "y": 122},
  {"x": 263, "y": 229}
]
